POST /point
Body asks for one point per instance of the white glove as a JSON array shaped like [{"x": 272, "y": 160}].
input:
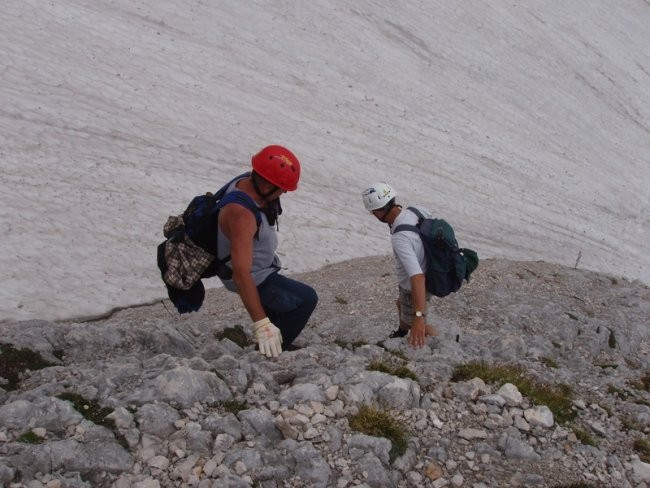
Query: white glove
[{"x": 269, "y": 337}]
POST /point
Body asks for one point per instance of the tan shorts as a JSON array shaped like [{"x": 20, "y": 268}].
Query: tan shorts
[{"x": 407, "y": 312}]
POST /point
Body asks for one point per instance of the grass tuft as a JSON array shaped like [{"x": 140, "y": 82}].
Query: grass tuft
[
  {"x": 606, "y": 365},
  {"x": 557, "y": 398},
  {"x": 630, "y": 424},
  {"x": 379, "y": 423},
  {"x": 642, "y": 447},
  {"x": 398, "y": 354},
  {"x": 619, "y": 392},
  {"x": 584, "y": 436},
  {"x": 642, "y": 383},
  {"x": 645, "y": 381},
  {"x": 607, "y": 408},
  {"x": 234, "y": 406},
  {"x": 399, "y": 371},
  {"x": 549, "y": 362}
]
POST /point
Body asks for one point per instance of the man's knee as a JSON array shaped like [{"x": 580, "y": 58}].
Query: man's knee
[{"x": 310, "y": 298}]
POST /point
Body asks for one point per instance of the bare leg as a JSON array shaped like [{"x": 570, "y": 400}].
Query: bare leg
[{"x": 402, "y": 325}]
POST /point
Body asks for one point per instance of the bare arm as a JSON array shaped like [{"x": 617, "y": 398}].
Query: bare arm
[
  {"x": 419, "y": 297},
  {"x": 239, "y": 225}
]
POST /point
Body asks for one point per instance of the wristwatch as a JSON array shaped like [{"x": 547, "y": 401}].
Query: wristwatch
[{"x": 419, "y": 314}]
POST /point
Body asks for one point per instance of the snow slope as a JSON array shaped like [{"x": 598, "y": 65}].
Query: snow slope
[{"x": 526, "y": 125}]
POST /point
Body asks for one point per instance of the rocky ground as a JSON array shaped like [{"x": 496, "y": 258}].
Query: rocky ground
[{"x": 146, "y": 398}]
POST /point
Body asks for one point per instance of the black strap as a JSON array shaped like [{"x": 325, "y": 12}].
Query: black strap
[
  {"x": 413, "y": 228},
  {"x": 418, "y": 213},
  {"x": 243, "y": 199},
  {"x": 403, "y": 227}
]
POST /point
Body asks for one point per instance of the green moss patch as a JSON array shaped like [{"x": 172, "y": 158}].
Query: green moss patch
[
  {"x": 94, "y": 412},
  {"x": 90, "y": 409},
  {"x": 29, "y": 438},
  {"x": 14, "y": 362},
  {"x": 234, "y": 406}
]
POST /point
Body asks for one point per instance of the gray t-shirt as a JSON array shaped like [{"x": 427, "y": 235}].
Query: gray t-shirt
[
  {"x": 408, "y": 249},
  {"x": 265, "y": 261}
]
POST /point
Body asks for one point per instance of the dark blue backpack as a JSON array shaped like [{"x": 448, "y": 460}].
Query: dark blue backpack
[
  {"x": 189, "y": 252},
  {"x": 447, "y": 264},
  {"x": 200, "y": 221}
]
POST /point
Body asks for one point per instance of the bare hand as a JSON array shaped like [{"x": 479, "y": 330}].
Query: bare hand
[{"x": 417, "y": 333}]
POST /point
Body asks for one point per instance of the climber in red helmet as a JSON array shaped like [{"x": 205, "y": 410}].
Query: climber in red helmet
[{"x": 279, "y": 307}]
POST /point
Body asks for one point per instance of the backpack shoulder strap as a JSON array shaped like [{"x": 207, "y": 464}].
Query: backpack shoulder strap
[
  {"x": 408, "y": 227},
  {"x": 416, "y": 212},
  {"x": 412, "y": 228},
  {"x": 241, "y": 198}
]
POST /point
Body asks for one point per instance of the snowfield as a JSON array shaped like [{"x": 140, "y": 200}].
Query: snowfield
[{"x": 525, "y": 126}]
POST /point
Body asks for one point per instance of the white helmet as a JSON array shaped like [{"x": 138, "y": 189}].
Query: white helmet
[{"x": 377, "y": 195}]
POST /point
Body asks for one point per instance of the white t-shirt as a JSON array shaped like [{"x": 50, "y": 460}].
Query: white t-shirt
[{"x": 408, "y": 248}]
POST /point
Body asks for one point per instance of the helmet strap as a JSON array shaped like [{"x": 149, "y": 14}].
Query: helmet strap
[{"x": 272, "y": 211}]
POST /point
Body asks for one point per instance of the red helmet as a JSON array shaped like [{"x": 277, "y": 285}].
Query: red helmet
[{"x": 278, "y": 165}]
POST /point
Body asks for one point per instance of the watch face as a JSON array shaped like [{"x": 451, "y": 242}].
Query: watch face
[{"x": 418, "y": 314}]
